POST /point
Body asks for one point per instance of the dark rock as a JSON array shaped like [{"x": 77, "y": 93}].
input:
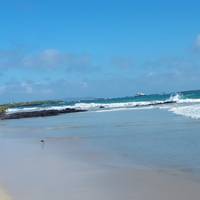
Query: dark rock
[{"x": 43, "y": 113}]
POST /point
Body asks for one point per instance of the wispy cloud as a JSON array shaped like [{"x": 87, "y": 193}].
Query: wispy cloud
[
  {"x": 45, "y": 89},
  {"x": 55, "y": 58},
  {"x": 48, "y": 58},
  {"x": 123, "y": 62}
]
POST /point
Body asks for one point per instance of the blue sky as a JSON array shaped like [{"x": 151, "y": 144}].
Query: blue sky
[{"x": 55, "y": 49}]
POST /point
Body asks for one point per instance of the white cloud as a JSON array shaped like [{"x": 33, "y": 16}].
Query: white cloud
[
  {"x": 54, "y": 58},
  {"x": 48, "y": 58}
]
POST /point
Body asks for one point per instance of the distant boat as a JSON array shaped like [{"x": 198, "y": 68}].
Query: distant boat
[{"x": 139, "y": 94}]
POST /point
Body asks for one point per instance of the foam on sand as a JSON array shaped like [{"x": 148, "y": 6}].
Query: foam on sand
[{"x": 192, "y": 111}]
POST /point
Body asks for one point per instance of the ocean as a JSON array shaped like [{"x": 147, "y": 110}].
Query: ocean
[{"x": 182, "y": 103}]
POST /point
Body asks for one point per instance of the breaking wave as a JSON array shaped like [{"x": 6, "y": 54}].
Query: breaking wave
[{"x": 180, "y": 103}]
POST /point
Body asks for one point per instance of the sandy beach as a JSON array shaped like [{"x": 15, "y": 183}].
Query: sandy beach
[
  {"x": 4, "y": 195},
  {"x": 56, "y": 174},
  {"x": 79, "y": 160}
]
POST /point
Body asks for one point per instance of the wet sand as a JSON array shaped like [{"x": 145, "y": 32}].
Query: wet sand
[
  {"x": 4, "y": 195},
  {"x": 60, "y": 170},
  {"x": 92, "y": 156}
]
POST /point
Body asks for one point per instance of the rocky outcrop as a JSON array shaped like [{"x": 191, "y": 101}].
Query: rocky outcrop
[{"x": 42, "y": 113}]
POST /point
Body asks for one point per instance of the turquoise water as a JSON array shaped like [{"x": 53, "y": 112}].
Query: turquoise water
[{"x": 110, "y": 104}]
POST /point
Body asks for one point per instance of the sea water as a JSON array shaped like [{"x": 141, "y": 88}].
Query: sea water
[{"x": 182, "y": 103}]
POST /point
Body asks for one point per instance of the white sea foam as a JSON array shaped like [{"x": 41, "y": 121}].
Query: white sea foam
[
  {"x": 14, "y": 110},
  {"x": 188, "y": 101},
  {"x": 175, "y": 98},
  {"x": 31, "y": 109},
  {"x": 192, "y": 111},
  {"x": 89, "y": 106},
  {"x": 122, "y": 109},
  {"x": 92, "y": 106}
]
